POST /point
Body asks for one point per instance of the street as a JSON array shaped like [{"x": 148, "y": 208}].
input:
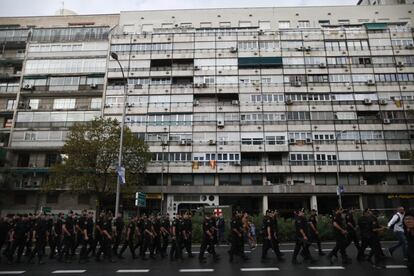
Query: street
[{"x": 254, "y": 266}]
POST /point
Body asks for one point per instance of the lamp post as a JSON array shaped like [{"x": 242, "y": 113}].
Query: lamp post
[
  {"x": 338, "y": 188},
  {"x": 163, "y": 144},
  {"x": 121, "y": 139}
]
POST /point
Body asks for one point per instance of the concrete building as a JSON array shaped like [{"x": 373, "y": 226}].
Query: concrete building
[{"x": 252, "y": 107}]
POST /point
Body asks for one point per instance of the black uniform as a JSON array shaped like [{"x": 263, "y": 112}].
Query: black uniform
[
  {"x": 156, "y": 247},
  {"x": 370, "y": 238},
  {"x": 58, "y": 236},
  {"x": 82, "y": 225},
  {"x": 267, "y": 241},
  {"x": 208, "y": 239},
  {"x": 341, "y": 239},
  {"x": 147, "y": 238},
  {"x": 19, "y": 240},
  {"x": 68, "y": 238},
  {"x": 188, "y": 229},
  {"x": 119, "y": 228},
  {"x": 106, "y": 247},
  {"x": 301, "y": 224},
  {"x": 237, "y": 242},
  {"x": 176, "y": 241},
  {"x": 165, "y": 233},
  {"x": 351, "y": 229},
  {"x": 314, "y": 236},
  {"x": 40, "y": 235},
  {"x": 5, "y": 228},
  {"x": 129, "y": 240}
]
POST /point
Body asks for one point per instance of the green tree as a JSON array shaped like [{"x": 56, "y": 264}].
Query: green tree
[{"x": 90, "y": 156}]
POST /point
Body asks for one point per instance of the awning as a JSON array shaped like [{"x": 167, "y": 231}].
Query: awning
[
  {"x": 376, "y": 26},
  {"x": 260, "y": 62}
]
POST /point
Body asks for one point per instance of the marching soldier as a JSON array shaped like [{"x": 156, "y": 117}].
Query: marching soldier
[
  {"x": 208, "y": 239},
  {"x": 302, "y": 239},
  {"x": 129, "y": 238},
  {"x": 147, "y": 234},
  {"x": 119, "y": 228},
  {"x": 176, "y": 239},
  {"x": 107, "y": 239},
  {"x": 19, "y": 237},
  {"x": 40, "y": 236},
  {"x": 68, "y": 237},
  {"x": 351, "y": 229},
  {"x": 341, "y": 238},
  {"x": 165, "y": 233},
  {"x": 187, "y": 234},
  {"x": 314, "y": 233},
  {"x": 236, "y": 237}
]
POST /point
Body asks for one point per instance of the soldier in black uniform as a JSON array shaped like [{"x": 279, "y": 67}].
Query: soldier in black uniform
[
  {"x": 68, "y": 231},
  {"x": 29, "y": 229},
  {"x": 82, "y": 227},
  {"x": 147, "y": 234},
  {"x": 370, "y": 229},
  {"x": 89, "y": 231},
  {"x": 236, "y": 237},
  {"x": 156, "y": 226},
  {"x": 57, "y": 235},
  {"x": 176, "y": 239},
  {"x": 51, "y": 237},
  {"x": 302, "y": 238},
  {"x": 129, "y": 238},
  {"x": 341, "y": 238},
  {"x": 98, "y": 233},
  {"x": 40, "y": 236},
  {"x": 107, "y": 239},
  {"x": 314, "y": 233},
  {"x": 119, "y": 229},
  {"x": 270, "y": 231},
  {"x": 351, "y": 229},
  {"x": 187, "y": 234},
  {"x": 5, "y": 227},
  {"x": 165, "y": 233},
  {"x": 19, "y": 237},
  {"x": 208, "y": 239}
]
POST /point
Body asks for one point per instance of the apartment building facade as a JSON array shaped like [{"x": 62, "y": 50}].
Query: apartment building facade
[{"x": 253, "y": 107}]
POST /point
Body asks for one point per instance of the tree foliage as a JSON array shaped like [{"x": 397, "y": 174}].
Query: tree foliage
[{"x": 90, "y": 157}]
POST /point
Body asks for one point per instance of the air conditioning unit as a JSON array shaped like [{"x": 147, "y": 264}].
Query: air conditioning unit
[
  {"x": 204, "y": 85},
  {"x": 409, "y": 46},
  {"x": 107, "y": 106},
  {"x": 28, "y": 87},
  {"x": 289, "y": 182},
  {"x": 138, "y": 86},
  {"x": 322, "y": 65},
  {"x": 197, "y": 85},
  {"x": 383, "y": 102},
  {"x": 399, "y": 64},
  {"x": 237, "y": 163},
  {"x": 370, "y": 82},
  {"x": 235, "y": 102},
  {"x": 308, "y": 49},
  {"x": 93, "y": 85},
  {"x": 297, "y": 84},
  {"x": 384, "y": 182},
  {"x": 164, "y": 143},
  {"x": 363, "y": 182},
  {"x": 288, "y": 102},
  {"x": 220, "y": 124},
  {"x": 233, "y": 50},
  {"x": 367, "y": 101},
  {"x": 308, "y": 141},
  {"x": 301, "y": 48},
  {"x": 387, "y": 121},
  {"x": 197, "y": 68},
  {"x": 268, "y": 183},
  {"x": 183, "y": 142},
  {"x": 23, "y": 105},
  {"x": 261, "y": 32},
  {"x": 211, "y": 142},
  {"x": 292, "y": 141},
  {"x": 196, "y": 103}
]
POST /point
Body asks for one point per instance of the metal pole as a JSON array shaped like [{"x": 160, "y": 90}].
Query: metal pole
[
  {"x": 338, "y": 187},
  {"x": 162, "y": 175},
  {"x": 121, "y": 139}
]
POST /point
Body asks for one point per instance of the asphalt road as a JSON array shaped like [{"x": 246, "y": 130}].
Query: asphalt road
[{"x": 254, "y": 266}]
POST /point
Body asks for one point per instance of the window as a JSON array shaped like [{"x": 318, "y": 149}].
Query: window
[
  {"x": 356, "y": 45},
  {"x": 34, "y": 104},
  {"x": 303, "y": 24},
  {"x": 298, "y": 115},
  {"x": 335, "y": 45},
  {"x": 244, "y": 24},
  {"x": 284, "y": 24},
  {"x": 343, "y": 21},
  {"x": 205, "y": 25},
  {"x": 96, "y": 103},
  {"x": 11, "y": 104},
  {"x": 324, "y": 22},
  {"x": 64, "y": 103},
  {"x": 225, "y": 24},
  {"x": 264, "y": 25}
]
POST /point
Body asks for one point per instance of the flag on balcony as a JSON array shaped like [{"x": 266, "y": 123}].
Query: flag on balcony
[
  {"x": 121, "y": 174},
  {"x": 340, "y": 189},
  {"x": 213, "y": 164},
  {"x": 195, "y": 165},
  {"x": 398, "y": 103}
]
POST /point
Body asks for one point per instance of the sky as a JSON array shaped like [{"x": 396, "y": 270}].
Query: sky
[{"x": 49, "y": 7}]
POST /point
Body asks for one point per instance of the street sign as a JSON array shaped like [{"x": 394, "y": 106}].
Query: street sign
[{"x": 140, "y": 199}]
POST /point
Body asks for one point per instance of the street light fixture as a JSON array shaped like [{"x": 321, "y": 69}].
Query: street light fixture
[
  {"x": 121, "y": 139},
  {"x": 163, "y": 144},
  {"x": 338, "y": 188}
]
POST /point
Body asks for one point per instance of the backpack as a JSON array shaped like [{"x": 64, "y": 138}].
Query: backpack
[{"x": 397, "y": 221}]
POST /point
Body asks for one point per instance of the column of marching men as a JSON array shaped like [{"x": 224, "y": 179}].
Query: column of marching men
[{"x": 27, "y": 236}]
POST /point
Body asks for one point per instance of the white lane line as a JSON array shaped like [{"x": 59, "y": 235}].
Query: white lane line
[
  {"x": 259, "y": 269},
  {"x": 325, "y": 267},
  {"x": 132, "y": 271},
  {"x": 197, "y": 270},
  {"x": 286, "y": 250},
  {"x": 11, "y": 272},
  {"x": 68, "y": 271},
  {"x": 396, "y": 266}
]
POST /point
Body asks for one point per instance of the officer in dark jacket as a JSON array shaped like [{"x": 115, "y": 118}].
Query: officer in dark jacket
[
  {"x": 107, "y": 239},
  {"x": 119, "y": 229},
  {"x": 165, "y": 234},
  {"x": 267, "y": 234},
  {"x": 40, "y": 236},
  {"x": 82, "y": 226},
  {"x": 57, "y": 235},
  {"x": 208, "y": 239},
  {"x": 147, "y": 235},
  {"x": 236, "y": 237},
  {"x": 156, "y": 230},
  {"x": 341, "y": 238},
  {"x": 5, "y": 228},
  {"x": 68, "y": 237},
  {"x": 176, "y": 238},
  {"x": 301, "y": 237},
  {"x": 351, "y": 228},
  {"x": 19, "y": 237},
  {"x": 129, "y": 238},
  {"x": 314, "y": 233},
  {"x": 187, "y": 234}
]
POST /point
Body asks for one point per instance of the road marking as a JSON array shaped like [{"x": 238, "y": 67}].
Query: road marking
[
  {"x": 325, "y": 267},
  {"x": 68, "y": 271},
  {"x": 396, "y": 266},
  {"x": 260, "y": 269},
  {"x": 11, "y": 272},
  {"x": 197, "y": 270},
  {"x": 286, "y": 250},
  {"x": 132, "y": 270}
]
